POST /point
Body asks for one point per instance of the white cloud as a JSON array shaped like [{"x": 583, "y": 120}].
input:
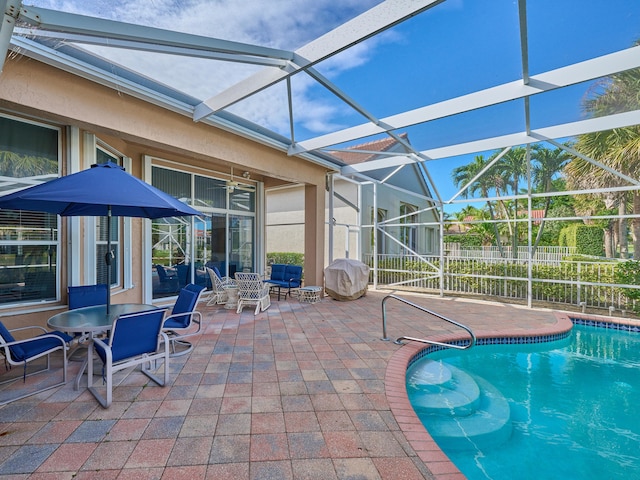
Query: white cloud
[{"x": 284, "y": 24}]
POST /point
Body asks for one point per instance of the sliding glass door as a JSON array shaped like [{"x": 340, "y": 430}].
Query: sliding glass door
[
  {"x": 241, "y": 234},
  {"x": 223, "y": 236}
]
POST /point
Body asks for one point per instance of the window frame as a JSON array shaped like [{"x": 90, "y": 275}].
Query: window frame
[
  {"x": 55, "y": 240},
  {"x": 227, "y": 211},
  {"x": 409, "y": 233}
]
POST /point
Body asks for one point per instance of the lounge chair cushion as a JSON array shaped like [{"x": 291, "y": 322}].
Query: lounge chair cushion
[
  {"x": 217, "y": 272},
  {"x": 33, "y": 347}
]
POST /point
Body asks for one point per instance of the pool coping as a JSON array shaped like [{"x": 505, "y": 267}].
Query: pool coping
[{"x": 417, "y": 435}]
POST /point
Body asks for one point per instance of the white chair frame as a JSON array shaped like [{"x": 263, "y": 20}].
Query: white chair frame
[
  {"x": 4, "y": 347},
  {"x": 177, "y": 335},
  {"x": 252, "y": 291},
  {"x": 218, "y": 295},
  {"x": 145, "y": 361}
]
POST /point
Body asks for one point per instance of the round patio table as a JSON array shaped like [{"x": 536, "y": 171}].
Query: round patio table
[{"x": 92, "y": 320}]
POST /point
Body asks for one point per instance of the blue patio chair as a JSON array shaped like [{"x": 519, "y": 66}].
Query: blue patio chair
[
  {"x": 21, "y": 352},
  {"x": 285, "y": 277},
  {"x": 87, "y": 295},
  {"x": 134, "y": 339},
  {"x": 179, "y": 324},
  {"x": 168, "y": 281},
  {"x": 183, "y": 273}
]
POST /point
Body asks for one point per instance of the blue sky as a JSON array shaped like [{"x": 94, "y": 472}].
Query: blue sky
[{"x": 457, "y": 47}]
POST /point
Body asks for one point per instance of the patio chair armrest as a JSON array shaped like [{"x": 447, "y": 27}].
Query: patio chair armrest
[
  {"x": 63, "y": 343},
  {"x": 165, "y": 342},
  {"x": 105, "y": 347},
  {"x": 195, "y": 312},
  {"x": 29, "y": 327}
]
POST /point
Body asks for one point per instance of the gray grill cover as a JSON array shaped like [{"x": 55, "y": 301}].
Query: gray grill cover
[{"x": 346, "y": 279}]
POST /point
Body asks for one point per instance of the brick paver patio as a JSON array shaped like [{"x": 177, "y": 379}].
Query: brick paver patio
[{"x": 300, "y": 391}]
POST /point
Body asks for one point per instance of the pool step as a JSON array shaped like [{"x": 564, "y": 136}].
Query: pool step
[
  {"x": 441, "y": 389},
  {"x": 459, "y": 410}
]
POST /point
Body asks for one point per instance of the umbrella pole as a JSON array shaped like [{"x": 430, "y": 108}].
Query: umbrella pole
[{"x": 108, "y": 257}]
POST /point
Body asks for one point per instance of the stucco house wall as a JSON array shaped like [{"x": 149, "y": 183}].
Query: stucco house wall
[
  {"x": 141, "y": 130},
  {"x": 351, "y": 234},
  {"x": 285, "y": 221}
]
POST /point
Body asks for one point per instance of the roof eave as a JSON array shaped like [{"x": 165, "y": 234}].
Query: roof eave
[{"x": 224, "y": 120}]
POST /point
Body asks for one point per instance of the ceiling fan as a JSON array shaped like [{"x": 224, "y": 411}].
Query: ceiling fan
[{"x": 232, "y": 185}]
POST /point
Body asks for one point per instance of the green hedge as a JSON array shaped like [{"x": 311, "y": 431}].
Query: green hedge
[
  {"x": 463, "y": 240},
  {"x": 288, "y": 258},
  {"x": 458, "y": 278},
  {"x": 629, "y": 273},
  {"x": 588, "y": 239}
]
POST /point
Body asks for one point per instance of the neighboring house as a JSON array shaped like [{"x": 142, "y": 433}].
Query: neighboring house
[
  {"x": 458, "y": 228},
  {"x": 403, "y": 213}
]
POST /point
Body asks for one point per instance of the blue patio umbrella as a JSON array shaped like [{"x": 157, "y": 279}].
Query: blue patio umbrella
[{"x": 104, "y": 190}]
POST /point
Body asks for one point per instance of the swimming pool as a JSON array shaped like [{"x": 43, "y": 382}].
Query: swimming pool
[{"x": 563, "y": 409}]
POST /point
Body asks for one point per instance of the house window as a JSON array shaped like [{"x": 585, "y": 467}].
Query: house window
[
  {"x": 29, "y": 241},
  {"x": 381, "y": 238},
  {"x": 431, "y": 236},
  {"x": 409, "y": 234}
]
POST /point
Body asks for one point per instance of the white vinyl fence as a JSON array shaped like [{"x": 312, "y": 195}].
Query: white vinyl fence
[
  {"x": 580, "y": 283},
  {"x": 547, "y": 254}
]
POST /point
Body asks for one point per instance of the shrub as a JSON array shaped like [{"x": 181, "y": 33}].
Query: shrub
[
  {"x": 588, "y": 239},
  {"x": 587, "y": 258},
  {"x": 629, "y": 273},
  {"x": 288, "y": 258},
  {"x": 464, "y": 240}
]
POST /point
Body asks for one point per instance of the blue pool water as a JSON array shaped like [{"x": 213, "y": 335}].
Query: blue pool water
[{"x": 568, "y": 409}]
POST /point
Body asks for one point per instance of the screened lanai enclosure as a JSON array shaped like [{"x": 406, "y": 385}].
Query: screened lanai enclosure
[{"x": 514, "y": 124}]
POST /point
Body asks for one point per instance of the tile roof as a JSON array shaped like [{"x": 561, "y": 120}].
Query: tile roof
[{"x": 382, "y": 145}]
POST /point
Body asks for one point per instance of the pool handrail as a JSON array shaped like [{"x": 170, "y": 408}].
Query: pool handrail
[{"x": 398, "y": 341}]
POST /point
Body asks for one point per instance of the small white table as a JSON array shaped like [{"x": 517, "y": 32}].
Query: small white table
[
  {"x": 309, "y": 294},
  {"x": 232, "y": 297}
]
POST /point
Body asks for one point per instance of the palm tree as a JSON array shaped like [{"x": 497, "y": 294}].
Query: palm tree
[
  {"x": 469, "y": 211},
  {"x": 617, "y": 148},
  {"x": 549, "y": 164},
  {"x": 464, "y": 174},
  {"x": 19, "y": 166},
  {"x": 512, "y": 167}
]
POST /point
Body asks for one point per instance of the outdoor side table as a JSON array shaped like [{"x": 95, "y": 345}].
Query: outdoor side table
[
  {"x": 232, "y": 297},
  {"x": 309, "y": 294}
]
